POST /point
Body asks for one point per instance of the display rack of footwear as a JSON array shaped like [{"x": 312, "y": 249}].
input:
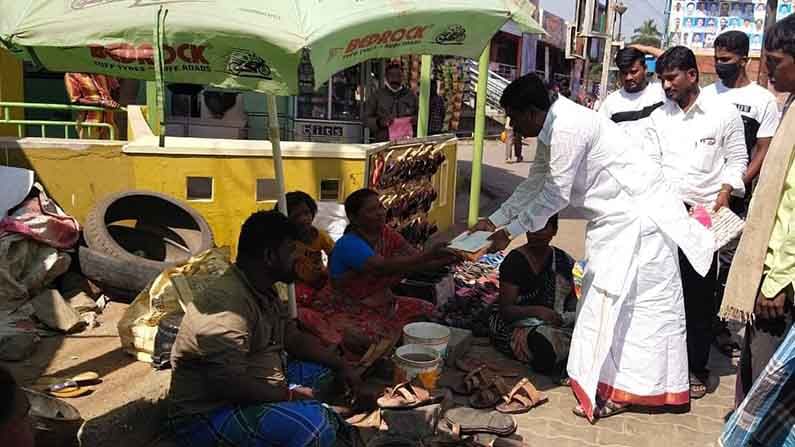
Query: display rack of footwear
[
  {"x": 476, "y": 289},
  {"x": 403, "y": 174}
]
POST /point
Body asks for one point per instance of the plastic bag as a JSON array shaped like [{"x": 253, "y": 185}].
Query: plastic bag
[{"x": 169, "y": 293}]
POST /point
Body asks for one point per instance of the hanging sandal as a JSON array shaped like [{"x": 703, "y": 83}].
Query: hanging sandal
[
  {"x": 489, "y": 396},
  {"x": 521, "y": 399},
  {"x": 407, "y": 395}
]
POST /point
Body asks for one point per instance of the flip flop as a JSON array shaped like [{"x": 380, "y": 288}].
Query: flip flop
[
  {"x": 86, "y": 378},
  {"x": 610, "y": 408},
  {"x": 521, "y": 399},
  {"x": 449, "y": 441},
  {"x": 698, "y": 388},
  {"x": 68, "y": 392},
  {"x": 727, "y": 346},
  {"x": 489, "y": 396},
  {"x": 508, "y": 442},
  {"x": 407, "y": 395},
  {"x": 67, "y": 388},
  {"x": 606, "y": 410},
  {"x": 468, "y": 421}
]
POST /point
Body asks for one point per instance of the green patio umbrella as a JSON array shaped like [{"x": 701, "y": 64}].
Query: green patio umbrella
[{"x": 246, "y": 44}]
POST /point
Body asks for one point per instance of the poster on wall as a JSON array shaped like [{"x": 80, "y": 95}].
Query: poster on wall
[
  {"x": 785, "y": 8},
  {"x": 697, "y": 24}
]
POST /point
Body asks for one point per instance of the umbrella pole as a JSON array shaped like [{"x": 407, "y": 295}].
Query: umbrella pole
[
  {"x": 278, "y": 167},
  {"x": 480, "y": 131},
  {"x": 425, "y": 95}
]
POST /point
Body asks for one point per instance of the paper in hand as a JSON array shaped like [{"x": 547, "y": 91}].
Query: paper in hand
[
  {"x": 401, "y": 129},
  {"x": 471, "y": 242}
]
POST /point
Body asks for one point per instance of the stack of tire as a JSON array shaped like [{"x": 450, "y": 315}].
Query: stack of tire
[{"x": 132, "y": 236}]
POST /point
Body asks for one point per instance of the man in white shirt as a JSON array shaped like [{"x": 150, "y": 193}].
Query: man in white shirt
[
  {"x": 637, "y": 97},
  {"x": 702, "y": 153},
  {"x": 628, "y": 345},
  {"x": 759, "y": 111}
]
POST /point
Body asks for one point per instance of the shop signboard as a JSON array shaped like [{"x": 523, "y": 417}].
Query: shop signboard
[
  {"x": 785, "y": 8},
  {"x": 556, "y": 30},
  {"x": 696, "y": 24},
  {"x": 323, "y": 131}
]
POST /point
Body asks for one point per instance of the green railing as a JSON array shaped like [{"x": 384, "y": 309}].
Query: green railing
[{"x": 5, "y": 118}]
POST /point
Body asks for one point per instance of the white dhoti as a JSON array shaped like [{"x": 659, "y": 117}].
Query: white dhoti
[{"x": 631, "y": 347}]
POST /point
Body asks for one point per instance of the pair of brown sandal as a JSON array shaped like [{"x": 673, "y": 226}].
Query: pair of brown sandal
[
  {"x": 408, "y": 395},
  {"x": 517, "y": 400}
]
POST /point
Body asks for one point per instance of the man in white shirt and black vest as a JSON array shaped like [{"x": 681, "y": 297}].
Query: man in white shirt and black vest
[{"x": 637, "y": 97}]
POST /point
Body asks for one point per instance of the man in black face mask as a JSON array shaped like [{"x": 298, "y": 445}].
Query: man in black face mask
[{"x": 759, "y": 111}]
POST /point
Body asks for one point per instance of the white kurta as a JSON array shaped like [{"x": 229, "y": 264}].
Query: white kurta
[{"x": 635, "y": 223}]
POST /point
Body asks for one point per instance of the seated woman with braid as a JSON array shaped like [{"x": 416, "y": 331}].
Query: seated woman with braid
[{"x": 534, "y": 317}]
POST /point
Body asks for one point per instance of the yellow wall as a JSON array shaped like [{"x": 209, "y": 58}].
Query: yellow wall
[
  {"x": 443, "y": 211},
  {"x": 78, "y": 175},
  {"x": 234, "y": 181},
  {"x": 11, "y": 87}
]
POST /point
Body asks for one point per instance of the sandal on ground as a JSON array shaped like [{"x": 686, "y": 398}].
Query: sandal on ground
[
  {"x": 407, "y": 395},
  {"x": 508, "y": 442},
  {"x": 449, "y": 441},
  {"x": 727, "y": 346},
  {"x": 473, "y": 381},
  {"x": 462, "y": 421},
  {"x": 468, "y": 364},
  {"x": 610, "y": 408},
  {"x": 521, "y": 399},
  {"x": 376, "y": 352},
  {"x": 607, "y": 409},
  {"x": 698, "y": 388},
  {"x": 490, "y": 395}
]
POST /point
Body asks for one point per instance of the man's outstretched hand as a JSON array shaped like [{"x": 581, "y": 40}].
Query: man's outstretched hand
[
  {"x": 499, "y": 241},
  {"x": 483, "y": 225}
]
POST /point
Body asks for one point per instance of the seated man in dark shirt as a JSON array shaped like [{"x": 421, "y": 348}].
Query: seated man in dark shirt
[{"x": 231, "y": 383}]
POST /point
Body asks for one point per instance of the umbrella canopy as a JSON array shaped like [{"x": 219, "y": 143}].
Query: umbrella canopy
[{"x": 246, "y": 44}]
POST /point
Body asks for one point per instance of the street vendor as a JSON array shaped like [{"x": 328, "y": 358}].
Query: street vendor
[
  {"x": 393, "y": 100},
  {"x": 632, "y": 306},
  {"x": 242, "y": 373},
  {"x": 365, "y": 264}
]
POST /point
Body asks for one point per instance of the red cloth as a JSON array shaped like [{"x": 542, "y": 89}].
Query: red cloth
[
  {"x": 41, "y": 219},
  {"x": 363, "y": 305}
]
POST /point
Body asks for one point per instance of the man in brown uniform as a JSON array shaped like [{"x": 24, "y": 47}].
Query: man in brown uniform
[{"x": 232, "y": 383}]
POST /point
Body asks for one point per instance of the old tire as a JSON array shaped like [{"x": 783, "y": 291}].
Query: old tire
[
  {"x": 117, "y": 278},
  {"x": 166, "y": 232}
]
